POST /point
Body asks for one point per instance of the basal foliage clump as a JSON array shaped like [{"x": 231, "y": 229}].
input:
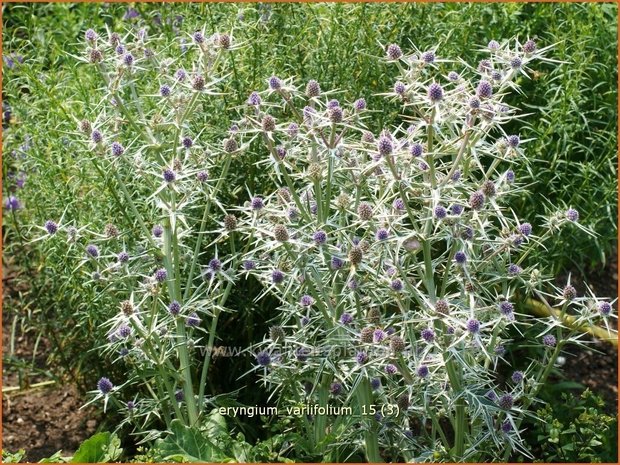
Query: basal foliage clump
[{"x": 397, "y": 259}]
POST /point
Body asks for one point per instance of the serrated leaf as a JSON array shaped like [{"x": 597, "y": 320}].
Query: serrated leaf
[
  {"x": 186, "y": 444},
  {"x": 100, "y": 448}
]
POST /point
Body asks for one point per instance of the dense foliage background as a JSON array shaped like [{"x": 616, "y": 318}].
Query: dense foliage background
[{"x": 571, "y": 134}]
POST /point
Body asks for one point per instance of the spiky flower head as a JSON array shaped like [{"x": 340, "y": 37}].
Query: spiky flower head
[
  {"x": 336, "y": 115},
  {"x": 277, "y": 334},
  {"x": 549, "y": 340},
  {"x": 375, "y": 383},
  {"x": 277, "y": 276},
  {"x": 506, "y": 401},
  {"x": 506, "y": 308},
  {"x": 160, "y": 275},
  {"x": 104, "y": 385},
  {"x": 393, "y": 52},
  {"x": 428, "y": 56},
  {"x": 254, "y": 99},
  {"x": 313, "y": 89},
  {"x": 51, "y": 227},
  {"x": 192, "y": 320},
  {"x": 359, "y": 104},
  {"x": 516, "y": 62},
  {"x": 224, "y": 41},
  {"x": 198, "y": 83},
  {"x": 399, "y": 88},
  {"x": 96, "y": 136},
  {"x": 422, "y": 371},
  {"x": 364, "y": 211},
  {"x": 440, "y": 212},
  {"x": 514, "y": 269},
  {"x": 336, "y": 263},
  {"x": 473, "y": 326},
  {"x": 180, "y": 75},
  {"x": 263, "y": 358},
  {"x": 92, "y": 250},
  {"x": 90, "y": 35},
  {"x": 378, "y": 335},
  {"x": 275, "y": 83},
  {"x": 513, "y": 141},
  {"x": 572, "y": 215},
  {"x": 257, "y": 203},
  {"x": 346, "y": 318},
  {"x": 453, "y": 76},
  {"x": 158, "y": 230},
  {"x": 117, "y": 149},
  {"x": 366, "y": 335},
  {"x": 396, "y": 285},
  {"x": 493, "y": 45},
  {"x": 604, "y": 308},
  {"x": 122, "y": 257},
  {"x": 529, "y": 46},
  {"x": 428, "y": 335},
  {"x": 484, "y": 89},
  {"x": 460, "y": 257},
  {"x": 198, "y": 37},
  {"x": 230, "y": 222},
  {"x": 95, "y": 55},
  {"x": 476, "y": 200},
  {"x": 569, "y": 292},
  {"x": 435, "y": 92},
  {"x": 385, "y": 146},
  {"x": 488, "y": 188},
  {"x": 391, "y": 369},
  {"x": 174, "y": 308},
  {"x": 268, "y": 123},
  {"x": 319, "y": 237},
  {"x": 517, "y": 376},
  {"x": 361, "y": 357},
  {"x": 382, "y": 234},
  {"x": 164, "y": 90}
]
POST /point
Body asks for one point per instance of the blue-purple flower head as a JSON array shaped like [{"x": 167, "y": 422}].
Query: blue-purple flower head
[
  {"x": 529, "y": 46},
  {"x": 473, "y": 326},
  {"x": 399, "y": 88},
  {"x": 249, "y": 265},
  {"x": 525, "y": 229},
  {"x": 460, "y": 257},
  {"x": 416, "y": 149},
  {"x": 164, "y": 90},
  {"x": 514, "y": 269},
  {"x": 422, "y": 371},
  {"x": 174, "y": 308},
  {"x": 453, "y": 76},
  {"x": 158, "y": 230},
  {"x": 456, "y": 209},
  {"x": 313, "y": 89},
  {"x": 254, "y": 99},
  {"x": 398, "y": 204},
  {"x": 516, "y": 62},
  {"x": 375, "y": 383},
  {"x": 549, "y": 340},
  {"x": 160, "y": 275},
  {"x": 192, "y": 320},
  {"x": 117, "y": 149},
  {"x": 275, "y": 83},
  {"x": 122, "y": 257},
  {"x": 572, "y": 215},
  {"x": 569, "y": 292},
  {"x": 257, "y": 203},
  {"x": 346, "y": 319},
  {"x": 359, "y": 104},
  {"x": 517, "y": 377},
  {"x": 393, "y": 52},
  {"x": 319, "y": 237},
  {"x": 92, "y": 250},
  {"x": 513, "y": 141},
  {"x": 277, "y": 276},
  {"x": 382, "y": 234},
  {"x": 96, "y": 136},
  {"x": 385, "y": 146},
  {"x": 336, "y": 263},
  {"x": 604, "y": 308},
  {"x": 396, "y": 285},
  {"x": 506, "y": 308},
  {"x": 263, "y": 358},
  {"x": 493, "y": 45},
  {"x": 440, "y": 212},
  {"x": 179, "y": 395},
  {"x": 215, "y": 264},
  {"x": 428, "y": 56},
  {"x": 361, "y": 357},
  {"x": 198, "y": 37},
  {"x": 180, "y": 75},
  {"x": 12, "y": 203},
  {"x": 476, "y": 200},
  {"x": 484, "y": 89},
  {"x": 169, "y": 175},
  {"x": 124, "y": 331},
  {"x": 90, "y": 35},
  {"x": 51, "y": 227},
  {"x": 391, "y": 369},
  {"x": 506, "y": 401},
  {"x": 306, "y": 301},
  {"x": 335, "y": 389},
  {"x": 428, "y": 335},
  {"x": 435, "y": 92},
  {"x": 378, "y": 335},
  {"x": 128, "y": 59},
  {"x": 104, "y": 385}
]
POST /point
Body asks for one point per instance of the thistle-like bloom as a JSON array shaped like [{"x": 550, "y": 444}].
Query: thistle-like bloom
[
  {"x": 12, "y": 203},
  {"x": 517, "y": 377},
  {"x": 117, "y": 149},
  {"x": 169, "y": 175},
  {"x": 202, "y": 176},
  {"x": 416, "y": 150},
  {"x": 378, "y": 335},
  {"x": 474, "y": 103},
  {"x": 572, "y": 215},
  {"x": 193, "y": 320},
  {"x": 361, "y": 357},
  {"x": 493, "y": 45},
  {"x": 382, "y": 234},
  {"x": 336, "y": 263},
  {"x": 319, "y": 237},
  {"x": 198, "y": 37},
  {"x": 510, "y": 176},
  {"x": 456, "y": 209},
  {"x": 158, "y": 230},
  {"x": 90, "y": 35},
  {"x": 525, "y": 229},
  {"x": 569, "y": 292},
  {"x": 277, "y": 276},
  {"x": 257, "y": 203},
  {"x": 514, "y": 269},
  {"x": 275, "y": 83},
  {"x": 484, "y": 89},
  {"x": 397, "y": 344},
  {"x": 281, "y": 233},
  {"x": 180, "y": 75},
  {"x": 224, "y": 41},
  {"x": 513, "y": 141},
  {"x": 249, "y": 265},
  {"x": 473, "y": 326},
  {"x": 128, "y": 59},
  {"x": 51, "y": 227},
  {"x": 306, "y": 301},
  {"x": 375, "y": 384},
  {"x": 92, "y": 250},
  {"x": 254, "y": 99},
  {"x": 346, "y": 318},
  {"x": 385, "y": 146},
  {"x": 604, "y": 308},
  {"x": 453, "y": 76},
  {"x": 506, "y": 308},
  {"x": 435, "y": 92},
  {"x": 460, "y": 257},
  {"x": 124, "y": 331},
  {"x": 476, "y": 200},
  {"x": 488, "y": 188},
  {"x": 364, "y": 210},
  {"x": 506, "y": 401},
  {"x": 263, "y": 358},
  {"x": 174, "y": 308},
  {"x": 398, "y": 204},
  {"x": 442, "y": 307},
  {"x": 198, "y": 83},
  {"x": 396, "y": 285},
  {"x": 440, "y": 212},
  {"x": 529, "y": 46},
  {"x": 399, "y": 88},
  {"x": 276, "y": 333},
  {"x": 516, "y": 62},
  {"x": 549, "y": 340},
  {"x": 359, "y": 104},
  {"x": 95, "y": 55},
  {"x": 96, "y": 136},
  {"x": 422, "y": 371},
  {"x": 428, "y": 335},
  {"x": 366, "y": 335},
  {"x": 393, "y": 52},
  {"x": 336, "y": 114},
  {"x": 428, "y": 56},
  {"x": 391, "y": 369},
  {"x": 179, "y": 395},
  {"x": 215, "y": 264},
  {"x": 164, "y": 90},
  {"x": 160, "y": 275},
  {"x": 335, "y": 389},
  {"x": 104, "y": 385},
  {"x": 122, "y": 257},
  {"x": 313, "y": 89},
  {"x": 268, "y": 123},
  {"x": 292, "y": 130}
]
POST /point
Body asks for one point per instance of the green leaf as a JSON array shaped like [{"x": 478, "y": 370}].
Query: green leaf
[
  {"x": 186, "y": 444},
  {"x": 100, "y": 448},
  {"x": 56, "y": 458}
]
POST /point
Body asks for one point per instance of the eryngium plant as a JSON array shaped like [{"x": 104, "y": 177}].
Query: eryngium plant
[
  {"x": 165, "y": 177},
  {"x": 400, "y": 264}
]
